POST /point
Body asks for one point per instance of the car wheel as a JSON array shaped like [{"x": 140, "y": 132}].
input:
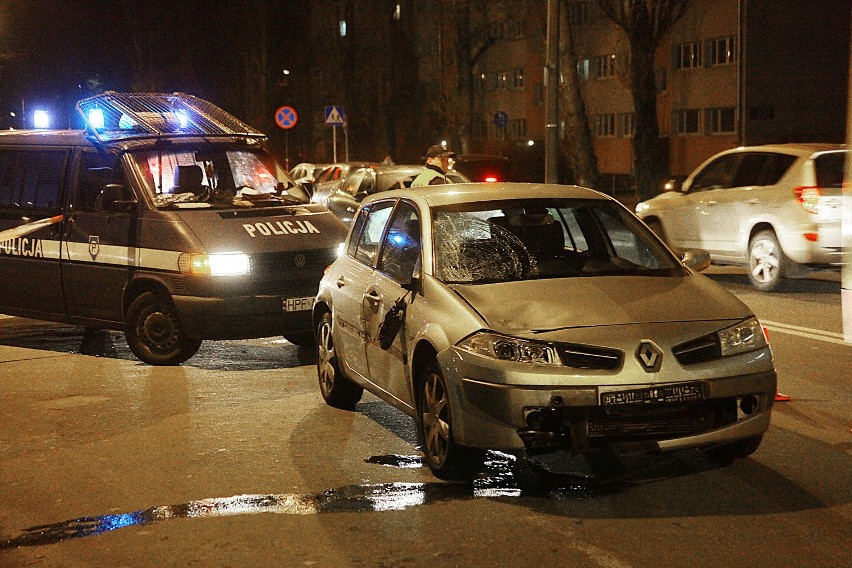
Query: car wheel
[
  {"x": 737, "y": 450},
  {"x": 337, "y": 390},
  {"x": 766, "y": 262},
  {"x": 446, "y": 458},
  {"x": 154, "y": 333}
]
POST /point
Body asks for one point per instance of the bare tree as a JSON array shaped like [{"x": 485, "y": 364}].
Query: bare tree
[
  {"x": 645, "y": 22},
  {"x": 576, "y": 146}
]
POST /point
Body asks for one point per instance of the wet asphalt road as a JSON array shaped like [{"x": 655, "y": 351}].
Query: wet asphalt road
[{"x": 232, "y": 459}]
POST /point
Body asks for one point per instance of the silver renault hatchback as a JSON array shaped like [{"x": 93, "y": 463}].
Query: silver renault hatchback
[
  {"x": 532, "y": 318},
  {"x": 775, "y": 209}
]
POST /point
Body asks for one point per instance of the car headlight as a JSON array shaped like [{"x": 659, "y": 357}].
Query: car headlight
[
  {"x": 642, "y": 206},
  {"x": 218, "y": 264},
  {"x": 741, "y": 338},
  {"x": 507, "y": 348}
]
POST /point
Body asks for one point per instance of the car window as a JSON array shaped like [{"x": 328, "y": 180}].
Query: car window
[
  {"x": 368, "y": 183},
  {"x": 352, "y": 182},
  {"x": 715, "y": 175},
  {"x": 32, "y": 179},
  {"x": 776, "y": 168},
  {"x": 499, "y": 241},
  {"x": 371, "y": 233},
  {"x": 750, "y": 169},
  {"x": 830, "y": 169},
  {"x": 357, "y": 225},
  {"x": 401, "y": 246}
]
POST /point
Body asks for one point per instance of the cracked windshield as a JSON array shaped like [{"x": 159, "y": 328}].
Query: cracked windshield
[
  {"x": 221, "y": 178},
  {"x": 500, "y": 241}
]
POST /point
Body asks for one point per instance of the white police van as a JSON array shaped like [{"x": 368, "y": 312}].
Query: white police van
[{"x": 166, "y": 219}]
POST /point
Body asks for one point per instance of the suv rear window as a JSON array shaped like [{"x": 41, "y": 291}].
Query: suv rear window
[{"x": 830, "y": 169}]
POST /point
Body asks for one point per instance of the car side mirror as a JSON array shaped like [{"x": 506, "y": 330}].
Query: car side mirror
[
  {"x": 695, "y": 259},
  {"x": 673, "y": 185},
  {"x": 116, "y": 197}
]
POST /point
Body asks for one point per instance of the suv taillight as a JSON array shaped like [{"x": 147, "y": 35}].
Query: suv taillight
[{"x": 808, "y": 197}]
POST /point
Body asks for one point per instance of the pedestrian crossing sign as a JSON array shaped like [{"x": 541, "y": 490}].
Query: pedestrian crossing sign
[{"x": 334, "y": 116}]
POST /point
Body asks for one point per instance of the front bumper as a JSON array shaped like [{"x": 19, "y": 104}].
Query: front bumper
[
  {"x": 241, "y": 317},
  {"x": 546, "y": 408}
]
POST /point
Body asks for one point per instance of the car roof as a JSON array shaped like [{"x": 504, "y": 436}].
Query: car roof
[
  {"x": 798, "y": 149},
  {"x": 448, "y": 194},
  {"x": 45, "y": 137}
]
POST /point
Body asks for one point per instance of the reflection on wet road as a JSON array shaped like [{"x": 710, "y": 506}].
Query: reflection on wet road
[
  {"x": 246, "y": 355},
  {"x": 499, "y": 479}
]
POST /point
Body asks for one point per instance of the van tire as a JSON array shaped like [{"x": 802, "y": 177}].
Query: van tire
[{"x": 154, "y": 333}]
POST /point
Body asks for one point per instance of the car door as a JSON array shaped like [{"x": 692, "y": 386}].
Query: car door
[
  {"x": 399, "y": 258},
  {"x": 31, "y": 195},
  {"x": 99, "y": 245},
  {"x": 687, "y": 225},
  {"x": 726, "y": 212},
  {"x": 352, "y": 277}
]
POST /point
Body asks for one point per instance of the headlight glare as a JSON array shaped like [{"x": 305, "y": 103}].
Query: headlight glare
[
  {"x": 218, "y": 264},
  {"x": 507, "y": 348},
  {"x": 741, "y": 338}
]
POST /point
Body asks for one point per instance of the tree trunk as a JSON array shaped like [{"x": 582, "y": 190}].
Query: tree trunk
[
  {"x": 577, "y": 145},
  {"x": 646, "y": 140}
]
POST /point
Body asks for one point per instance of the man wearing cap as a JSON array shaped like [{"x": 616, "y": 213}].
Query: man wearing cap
[{"x": 437, "y": 163}]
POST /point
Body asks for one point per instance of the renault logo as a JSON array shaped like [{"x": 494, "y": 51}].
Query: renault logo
[{"x": 649, "y": 355}]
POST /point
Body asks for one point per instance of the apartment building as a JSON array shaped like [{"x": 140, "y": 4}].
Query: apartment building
[{"x": 729, "y": 73}]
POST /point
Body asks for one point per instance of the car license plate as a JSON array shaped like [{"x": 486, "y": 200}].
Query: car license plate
[
  {"x": 662, "y": 394},
  {"x": 298, "y": 304}
]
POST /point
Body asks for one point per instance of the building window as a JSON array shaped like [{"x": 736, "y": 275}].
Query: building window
[
  {"x": 686, "y": 121},
  {"x": 688, "y": 55},
  {"x": 723, "y": 50},
  {"x": 479, "y": 128},
  {"x": 721, "y": 120},
  {"x": 583, "y": 69},
  {"x": 578, "y": 12},
  {"x": 500, "y": 80},
  {"x": 518, "y": 78},
  {"x": 627, "y": 124},
  {"x": 604, "y": 125},
  {"x": 518, "y": 128},
  {"x": 481, "y": 82},
  {"x": 605, "y": 66}
]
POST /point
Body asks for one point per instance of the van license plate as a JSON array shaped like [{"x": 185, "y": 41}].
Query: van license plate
[
  {"x": 298, "y": 304},
  {"x": 655, "y": 395}
]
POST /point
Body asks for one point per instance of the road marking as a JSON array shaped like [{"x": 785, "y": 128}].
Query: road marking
[{"x": 818, "y": 334}]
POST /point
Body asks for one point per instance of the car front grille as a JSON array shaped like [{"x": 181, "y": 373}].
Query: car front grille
[
  {"x": 660, "y": 421},
  {"x": 589, "y": 356},
  {"x": 701, "y": 350}
]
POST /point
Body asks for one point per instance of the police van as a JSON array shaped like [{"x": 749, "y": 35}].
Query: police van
[{"x": 166, "y": 219}]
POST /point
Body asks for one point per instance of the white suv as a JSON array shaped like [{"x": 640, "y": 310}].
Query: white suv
[{"x": 775, "y": 208}]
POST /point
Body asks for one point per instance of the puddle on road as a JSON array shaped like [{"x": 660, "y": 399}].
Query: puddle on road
[{"x": 497, "y": 480}]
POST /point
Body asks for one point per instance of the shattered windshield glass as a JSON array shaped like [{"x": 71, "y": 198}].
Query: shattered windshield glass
[
  {"x": 500, "y": 241},
  {"x": 219, "y": 178}
]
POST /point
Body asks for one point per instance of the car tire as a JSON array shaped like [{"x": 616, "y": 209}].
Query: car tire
[
  {"x": 301, "y": 339},
  {"x": 336, "y": 390},
  {"x": 446, "y": 458},
  {"x": 766, "y": 262},
  {"x": 738, "y": 450},
  {"x": 154, "y": 332}
]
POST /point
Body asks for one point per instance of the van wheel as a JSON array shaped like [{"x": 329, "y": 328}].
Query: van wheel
[
  {"x": 446, "y": 458},
  {"x": 766, "y": 262},
  {"x": 154, "y": 333}
]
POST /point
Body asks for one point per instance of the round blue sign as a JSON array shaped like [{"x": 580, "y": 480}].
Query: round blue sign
[{"x": 501, "y": 119}]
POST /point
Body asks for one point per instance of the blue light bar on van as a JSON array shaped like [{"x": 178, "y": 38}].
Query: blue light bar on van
[{"x": 115, "y": 116}]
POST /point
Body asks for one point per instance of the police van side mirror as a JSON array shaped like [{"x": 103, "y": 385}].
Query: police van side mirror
[{"x": 116, "y": 197}]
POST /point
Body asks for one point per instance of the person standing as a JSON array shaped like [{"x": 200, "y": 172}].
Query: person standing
[{"x": 437, "y": 163}]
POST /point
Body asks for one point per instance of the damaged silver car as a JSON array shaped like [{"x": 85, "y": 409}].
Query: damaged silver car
[{"x": 532, "y": 318}]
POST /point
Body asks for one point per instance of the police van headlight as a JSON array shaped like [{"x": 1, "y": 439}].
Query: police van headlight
[{"x": 218, "y": 264}]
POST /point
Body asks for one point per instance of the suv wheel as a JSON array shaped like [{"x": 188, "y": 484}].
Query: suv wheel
[{"x": 766, "y": 262}]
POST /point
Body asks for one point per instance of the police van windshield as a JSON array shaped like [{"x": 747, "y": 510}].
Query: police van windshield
[{"x": 219, "y": 178}]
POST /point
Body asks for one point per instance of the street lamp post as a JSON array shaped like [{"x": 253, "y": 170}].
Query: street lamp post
[{"x": 551, "y": 83}]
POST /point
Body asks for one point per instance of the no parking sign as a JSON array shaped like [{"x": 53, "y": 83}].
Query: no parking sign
[{"x": 286, "y": 117}]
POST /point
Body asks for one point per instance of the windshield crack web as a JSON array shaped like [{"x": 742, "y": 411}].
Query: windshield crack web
[{"x": 470, "y": 250}]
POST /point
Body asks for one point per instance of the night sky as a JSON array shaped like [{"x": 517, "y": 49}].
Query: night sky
[{"x": 54, "y": 52}]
